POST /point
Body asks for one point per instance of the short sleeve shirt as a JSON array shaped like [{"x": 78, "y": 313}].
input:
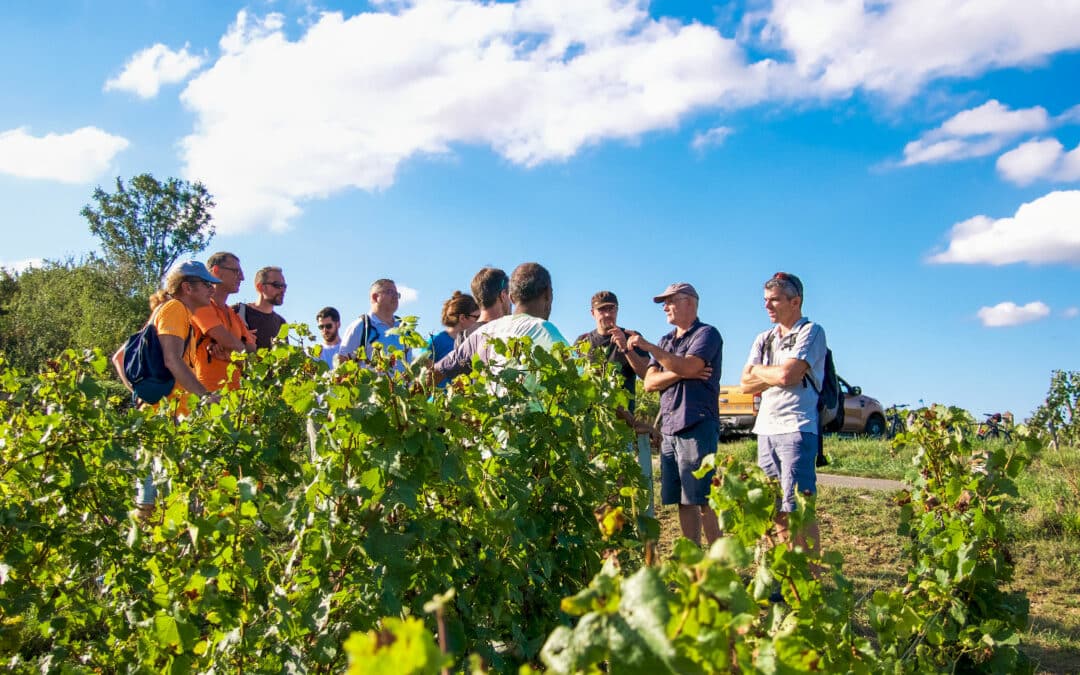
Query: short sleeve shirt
[
  {"x": 688, "y": 402},
  {"x": 542, "y": 332},
  {"x": 793, "y": 408},
  {"x": 265, "y": 324},
  {"x": 173, "y": 318},
  {"x": 210, "y": 371}
]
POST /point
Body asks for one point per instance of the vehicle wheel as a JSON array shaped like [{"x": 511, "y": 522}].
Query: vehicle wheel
[{"x": 875, "y": 426}]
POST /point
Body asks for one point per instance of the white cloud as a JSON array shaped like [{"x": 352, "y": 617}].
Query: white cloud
[
  {"x": 1071, "y": 312},
  {"x": 147, "y": 70},
  {"x": 19, "y": 266},
  {"x": 408, "y": 294},
  {"x": 279, "y": 122},
  {"x": 976, "y": 132},
  {"x": 76, "y": 157},
  {"x": 710, "y": 139},
  {"x": 1043, "y": 231},
  {"x": 1040, "y": 159},
  {"x": 1011, "y": 314},
  {"x": 896, "y": 46}
]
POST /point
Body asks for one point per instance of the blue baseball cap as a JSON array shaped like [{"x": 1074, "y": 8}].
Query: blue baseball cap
[{"x": 194, "y": 268}]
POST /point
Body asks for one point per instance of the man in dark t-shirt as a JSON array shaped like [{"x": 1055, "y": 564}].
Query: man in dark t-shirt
[
  {"x": 609, "y": 340},
  {"x": 260, "y": 317}
]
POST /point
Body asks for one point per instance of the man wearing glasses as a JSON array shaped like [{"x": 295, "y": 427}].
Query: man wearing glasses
[
  {"x": 782, "y": 360},
  {"x": 685, "y": 369},
  {"x": 371, "y": 328},
  {"x": 329, "y": 321},
  {"x": 260, "y": 317},
  {"x": 218, "y": 330}
]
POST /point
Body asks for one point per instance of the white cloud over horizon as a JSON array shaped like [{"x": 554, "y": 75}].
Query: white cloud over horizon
[
  {"x": 1010, "y": 314},
  {"x": 282, "y": 121},
  {"x": 976, "y": 132},
  {"x": 1042, "y": 231},
  {"x": 147, "y": 70},
  {"x": 1040, "y": 159},
  {"x": 79, "y": 156}
]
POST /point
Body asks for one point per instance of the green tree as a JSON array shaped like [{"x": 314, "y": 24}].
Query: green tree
[
  {"x": 1056, "y": 418},
  {"x": 61, "y": 305},
  {"x": 147, "y": 225}
]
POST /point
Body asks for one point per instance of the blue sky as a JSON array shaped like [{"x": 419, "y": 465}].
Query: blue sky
[{"x": 917, "y": 163}]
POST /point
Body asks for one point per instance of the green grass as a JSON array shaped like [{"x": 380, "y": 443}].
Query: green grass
[{"x": 861, "y": 525}]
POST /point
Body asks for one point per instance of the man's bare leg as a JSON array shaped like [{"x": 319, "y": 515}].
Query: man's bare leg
[
  {"x": 690, "y": 521},
  {"x": 710, "y": 524}
]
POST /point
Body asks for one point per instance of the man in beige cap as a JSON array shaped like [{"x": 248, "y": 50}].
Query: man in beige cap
[{"x": 685, "y": 369}]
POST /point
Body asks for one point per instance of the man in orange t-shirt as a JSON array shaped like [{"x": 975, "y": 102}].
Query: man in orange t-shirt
[{"x": 218, "y": 330}]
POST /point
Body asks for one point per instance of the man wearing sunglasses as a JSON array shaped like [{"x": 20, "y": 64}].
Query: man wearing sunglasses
[
  {"x": 259, "y": 316},
  {"x": 218, "y": 330},
  {"x": 329, "y": 321}
]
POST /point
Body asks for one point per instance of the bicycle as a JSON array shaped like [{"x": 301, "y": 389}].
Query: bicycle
[
  {"x": 894, "y": 421},
  {"x": 993, "y": 427}
]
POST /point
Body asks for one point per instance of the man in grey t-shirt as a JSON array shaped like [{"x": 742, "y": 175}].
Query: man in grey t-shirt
[{"x": 787, "y": 366}]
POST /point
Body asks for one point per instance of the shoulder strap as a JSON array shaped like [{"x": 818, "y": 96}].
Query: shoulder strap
[
  {"x": 766, "y": 347},
  {"x": 243, "y": 312}
]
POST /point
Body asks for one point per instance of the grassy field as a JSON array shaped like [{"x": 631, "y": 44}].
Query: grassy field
[{"x": 861, "y": 525}]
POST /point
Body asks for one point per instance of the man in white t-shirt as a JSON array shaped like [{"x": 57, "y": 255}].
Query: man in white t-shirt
[
  {"x": 787, "y": 366},
  {"x": 531, "y": 293}
]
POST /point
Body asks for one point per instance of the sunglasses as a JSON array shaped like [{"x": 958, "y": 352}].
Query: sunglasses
[
  {"x": 325, "y": 326},
  {"x": 474, "y": 317},
  {"x": 277, "y": 284},
  {"x": 198, "y": 280}
]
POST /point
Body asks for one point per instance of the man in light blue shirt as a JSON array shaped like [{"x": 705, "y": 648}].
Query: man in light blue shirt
[{"x": 365, "y": 331}]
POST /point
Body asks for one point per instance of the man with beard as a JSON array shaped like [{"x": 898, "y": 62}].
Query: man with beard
[{"x": 259, "y": 316}]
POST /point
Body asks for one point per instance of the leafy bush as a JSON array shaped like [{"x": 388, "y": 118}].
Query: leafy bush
[{"x": 302, "y": 507}]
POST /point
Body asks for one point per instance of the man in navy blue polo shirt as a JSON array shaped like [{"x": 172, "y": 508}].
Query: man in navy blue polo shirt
[{"x": 685, "y": 368}]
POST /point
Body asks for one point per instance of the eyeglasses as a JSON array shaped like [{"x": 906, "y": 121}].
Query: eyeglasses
[
  {"x": 474, "y": 317},
  {"x": 281, "y": 285},
  {"x": 325, "y": 326},
  {"x": 234, "y": 270}
]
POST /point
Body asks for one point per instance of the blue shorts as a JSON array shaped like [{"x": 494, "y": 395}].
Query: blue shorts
[
  {"x": 680, "y": 457},
  {"x": 791, "y": 458}
]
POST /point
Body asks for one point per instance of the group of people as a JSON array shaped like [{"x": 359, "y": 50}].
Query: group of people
[{"x": 199, "y": 329}]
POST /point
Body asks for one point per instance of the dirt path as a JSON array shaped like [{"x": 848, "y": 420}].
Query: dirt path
[{"x": 857, "y": 482}]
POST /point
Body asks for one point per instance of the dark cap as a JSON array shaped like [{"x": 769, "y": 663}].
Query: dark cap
[
  {"x": 604, "y": 298},
  {"x": 676, "y": 288}
]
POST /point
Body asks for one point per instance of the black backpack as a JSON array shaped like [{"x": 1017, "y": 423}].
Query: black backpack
[
  {"x": 830, "y": 398},
  {"x": 144, "y": 364}
]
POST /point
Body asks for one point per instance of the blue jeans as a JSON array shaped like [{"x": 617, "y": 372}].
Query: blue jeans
[
  {"x": 791, "y": 458},
  {"x": 680, "y": 457}
]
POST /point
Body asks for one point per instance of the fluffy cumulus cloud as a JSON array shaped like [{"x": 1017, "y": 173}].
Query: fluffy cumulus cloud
[
  {"x": 896, "y": 46},
  {"x": 976, "y": 132},
  {"x": 1011, "y": 314},
  {"x": 149, "y": 69},
  {"x": 281, "y": 121},
  {"x": 710, "y": 139},
  {"x": 76, "y": 157},
  {"x": 1041, "y": 232},
  {"x": 1040, "y": 159}
]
